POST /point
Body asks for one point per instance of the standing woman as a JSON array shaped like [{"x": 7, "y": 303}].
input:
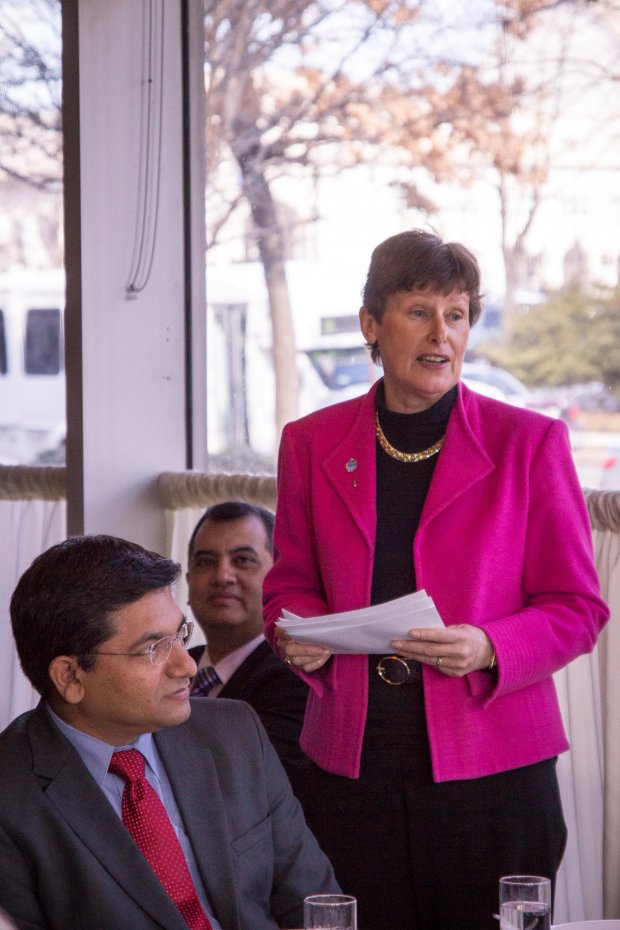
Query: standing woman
[{"x": 434, "y": 767}]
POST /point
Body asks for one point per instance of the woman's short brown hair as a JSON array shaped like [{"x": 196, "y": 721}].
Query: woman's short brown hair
[{"x": 418, "y": 261}]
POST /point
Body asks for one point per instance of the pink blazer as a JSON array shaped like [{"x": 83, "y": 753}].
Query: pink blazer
[{"x": 504, "y": 543}]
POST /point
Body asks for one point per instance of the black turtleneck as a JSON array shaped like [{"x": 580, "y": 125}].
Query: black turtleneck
[
  {"x": 396, "y": 713},
  {"x": 401, "y": 491}
]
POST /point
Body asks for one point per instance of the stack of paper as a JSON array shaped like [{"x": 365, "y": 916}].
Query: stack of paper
[{"x": 369, "y": 630}]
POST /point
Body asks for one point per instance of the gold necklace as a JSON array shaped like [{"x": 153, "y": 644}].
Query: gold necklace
[{"x": 405, "y": 456}]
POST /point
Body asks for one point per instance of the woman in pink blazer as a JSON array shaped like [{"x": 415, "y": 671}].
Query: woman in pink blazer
[{"x": 434, "y": 767}]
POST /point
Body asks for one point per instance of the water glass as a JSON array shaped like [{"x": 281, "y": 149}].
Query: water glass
[
  {"x": 525, "y": 902},
  {"x": 330, "y": 912}
]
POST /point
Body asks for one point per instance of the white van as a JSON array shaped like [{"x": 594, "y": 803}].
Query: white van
[
  {"x": 332, "y": 362},
  {"x": 32, "y": 370}
]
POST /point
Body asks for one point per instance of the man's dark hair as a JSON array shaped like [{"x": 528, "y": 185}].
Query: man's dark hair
[
  {"x": 63, "y": 603},
  {"x": 417, "y": 261},
  {"x": 233, "y": 510}
]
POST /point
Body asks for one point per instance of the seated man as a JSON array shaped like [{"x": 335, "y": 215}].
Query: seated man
[
  {"x": 123, "y": 804},
  {"x": 229, "y": 556}
]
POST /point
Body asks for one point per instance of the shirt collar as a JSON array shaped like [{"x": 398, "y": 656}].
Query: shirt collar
[
  {"x": 96, "y": 754},
  {"x": 227, "y": 666}
]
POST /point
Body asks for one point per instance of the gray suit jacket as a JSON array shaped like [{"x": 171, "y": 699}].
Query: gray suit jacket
[
  {"x": 279, "y": 698},
  {"x": 67, "y": 862}
]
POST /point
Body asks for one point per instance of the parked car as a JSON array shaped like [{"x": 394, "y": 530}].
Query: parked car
[
  {"x": 501, "y": 384},
  {"x": 495, "y": 382}
]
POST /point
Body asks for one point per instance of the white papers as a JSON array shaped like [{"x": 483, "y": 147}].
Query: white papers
[{"x": 369, "y": 630}]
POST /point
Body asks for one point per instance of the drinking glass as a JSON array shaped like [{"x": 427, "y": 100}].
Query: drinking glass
[
  {"x": 525, "y": 902},
  {"x": 330, "y": 912}
]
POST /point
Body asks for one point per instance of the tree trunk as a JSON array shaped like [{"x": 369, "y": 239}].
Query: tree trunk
[
  {"x": 272, "y": 254},
  {"x": 510, "y": 282},
  {"x": 514, "y": 255}
]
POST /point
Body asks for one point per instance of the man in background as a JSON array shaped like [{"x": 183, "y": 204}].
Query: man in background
[
  {"x": 230, "y": 552},
  {"x": 123, "y": 804}
]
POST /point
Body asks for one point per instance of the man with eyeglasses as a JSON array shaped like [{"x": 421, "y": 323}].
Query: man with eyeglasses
[{"x": 122, "y": 804}]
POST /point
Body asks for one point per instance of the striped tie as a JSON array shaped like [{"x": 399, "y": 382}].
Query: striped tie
[{"x": 205, "y": 679}]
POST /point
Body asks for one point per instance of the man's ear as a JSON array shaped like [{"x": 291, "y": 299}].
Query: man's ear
[{"x": 67, "y": 678}]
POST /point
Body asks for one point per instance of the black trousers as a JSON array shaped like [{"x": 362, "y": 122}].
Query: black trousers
[{"x": 424, "y": 856}]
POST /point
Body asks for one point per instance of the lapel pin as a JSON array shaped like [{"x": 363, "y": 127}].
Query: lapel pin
[{"x": 350, "y": 467}]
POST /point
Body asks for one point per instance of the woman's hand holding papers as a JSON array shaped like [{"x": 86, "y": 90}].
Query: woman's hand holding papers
[
  {"x": 304, "y": 656},
  {"x": 454, "y": 650}
]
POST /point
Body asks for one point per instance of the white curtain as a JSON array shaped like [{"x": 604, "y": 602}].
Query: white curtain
[
  {"x": 589, "y": 880},
  {"x": 32, "y": 518},
  {"x": 604, "y": 509},
  {"x": 579, "y": 891}
]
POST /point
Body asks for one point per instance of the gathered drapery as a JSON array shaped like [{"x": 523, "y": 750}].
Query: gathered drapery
[
  {"x": 589, "y": 773},
  {"x": 33, "y": 517},
  {"x": 604, "y": 508}
]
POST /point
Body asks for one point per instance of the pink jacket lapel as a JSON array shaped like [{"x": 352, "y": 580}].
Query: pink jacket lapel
[
  {"x": 351, "y": 468},
  {"x": 462, "y": 462}
]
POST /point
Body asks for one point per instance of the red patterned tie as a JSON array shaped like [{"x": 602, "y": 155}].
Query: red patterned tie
[{"x": 145, "y": 817}]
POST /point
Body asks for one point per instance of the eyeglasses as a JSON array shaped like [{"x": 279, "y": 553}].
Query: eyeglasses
[
  {"x": 158, "y": 652},
  {"x": 395, "y": 670}
]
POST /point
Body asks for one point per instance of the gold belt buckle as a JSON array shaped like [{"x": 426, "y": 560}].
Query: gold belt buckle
[{"x": 394, "y": 670}]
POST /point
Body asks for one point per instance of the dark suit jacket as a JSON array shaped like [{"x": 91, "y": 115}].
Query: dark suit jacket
[
  {"x": 68, "y": 863},
  {"x": 279, "y": 698}
]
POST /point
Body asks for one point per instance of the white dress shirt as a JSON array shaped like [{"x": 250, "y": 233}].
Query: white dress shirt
[{"x": 227, "y": 666}]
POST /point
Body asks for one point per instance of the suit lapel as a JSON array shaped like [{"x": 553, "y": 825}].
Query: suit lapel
[
  {"x": 196, "y": 652},
  {"x": 463, "y": 461},
  {"x": 244, "y": 675},
  {"x": 191, "y": 769},
  {"x": 351, "y": 469},
  {"x": 69, "y": 786}
]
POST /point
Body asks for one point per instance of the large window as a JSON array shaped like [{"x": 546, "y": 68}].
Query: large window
[
  {"x": 332, "y": 126},
  {"x": 32, "y": 392}
]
